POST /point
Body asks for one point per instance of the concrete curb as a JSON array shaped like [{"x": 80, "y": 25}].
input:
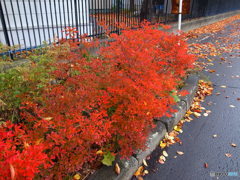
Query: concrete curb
[{"x": 163, "y": 125}]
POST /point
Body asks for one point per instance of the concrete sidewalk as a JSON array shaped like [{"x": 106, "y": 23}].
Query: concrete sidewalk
[{"x": 199, "y": 145}]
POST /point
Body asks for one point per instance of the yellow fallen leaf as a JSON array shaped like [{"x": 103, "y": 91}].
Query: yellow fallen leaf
[
  {"x": 99, "y": 152},
  {"x": 48, "y": 118},
  {"x": 162, "y": 158},
  {"x": 196, "y": 114},
  {"x": 178, "y": 129},
  {"x": 180, "y": 152},
  {"x": 39, "y": 141},
  {"x": 117, "y": 169},
  {"x": 144, "y": 162},
  {"x": 215, "y": 135},
  {"x": 77, "y": 176},
  {"x": 165, "y": 153},
  {"x": 205, "y": 114},
  {"x": 163, "y": 145},
  {"x": 223, "y": 86},
  {"x": 145, "y": 172},
  {"x": 25, "y": 144},
  {"x": 139, "y": 171}
]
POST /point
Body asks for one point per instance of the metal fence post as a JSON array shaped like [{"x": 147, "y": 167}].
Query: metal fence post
[
  {"x": 76, "y": 18},
  {"x": 118, "y": 15},
  {"x": 4, "y": 25}
]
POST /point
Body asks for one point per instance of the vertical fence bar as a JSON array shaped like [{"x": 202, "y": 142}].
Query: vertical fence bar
[
  {"x": 81, "y": 17},
  {"x": 48, "y": 24},
  {"x": 68, "y": 13},
  {"x": 9, "y": 25},
  {"x": 76, "y": 17},
  {"x": 36, "y": 15},
  {"x": 5, "y": 31},
  {"x": 56, "y": 19},
  {"x": 60, "y": 16},
  {"x": 43, "y": 28},
  {"x": 72, "y": 11},
  {"x": 33, "y": 28},
  {"x": 51, "y": 13},
  {"x": 64, "y": 14},
  {"x": 15, "y": 23},
  {"x": 166, "y": 13},
  {"x": 24, "y": 40},
  {"x": 25, "y": 12}
]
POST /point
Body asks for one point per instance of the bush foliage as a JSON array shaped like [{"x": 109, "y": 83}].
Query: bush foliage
[{"x": 104, "y": 103}]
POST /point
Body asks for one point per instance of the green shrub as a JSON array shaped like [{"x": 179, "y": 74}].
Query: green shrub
[{"x": 22, "y": 82}]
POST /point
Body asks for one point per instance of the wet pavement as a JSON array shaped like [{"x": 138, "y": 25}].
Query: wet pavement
[{"x": 199, "y": 145}]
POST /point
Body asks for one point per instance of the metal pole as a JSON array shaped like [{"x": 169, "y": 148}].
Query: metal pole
[
  {"x": 180, "y": 15},
  {"x": 4, "y": 26}
]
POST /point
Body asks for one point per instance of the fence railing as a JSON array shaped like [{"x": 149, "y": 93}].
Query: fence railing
[{"x": 26, "y": 24}]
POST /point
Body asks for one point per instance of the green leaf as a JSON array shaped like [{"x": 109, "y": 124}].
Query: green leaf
[
  {"x": 176, "y": 98},
  {"x": 108, "y": 159}
]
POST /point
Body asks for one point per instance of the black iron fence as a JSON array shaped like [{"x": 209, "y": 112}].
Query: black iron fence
[{"x": 28, "y": 24}]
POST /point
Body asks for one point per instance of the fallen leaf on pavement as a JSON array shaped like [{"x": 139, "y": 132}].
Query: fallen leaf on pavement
[
  {"x": 139, "y": 171},
  {"x": 162, "y": 158},
  {"x": 238, "y": 99},
  {"x": 228, "y": 155},
  {"x": 161, "y": 161},
  {"x": 196, "y": 114},
  {"x": 165, "y": 153},
  {"x": 206, "y": 165},
  {"x": 223, "y": 86},
  {"x": 180, "y": 152},
  {"x": 215, "y": 135},
  {"x": 117, "y": 168},
  {"x": 145, "y": 172},
  {"x": 178, "y": 129},
  {"x": 205, "y": 114},
  {"x": 163, "y": 145},
  {"x": 211, "y": 70},
  {"x": 144, "y": 162},
  {"x": 77, "y": 176},
  {"x": 208, "y": 111},
  {"x": 233, "y": 145}
]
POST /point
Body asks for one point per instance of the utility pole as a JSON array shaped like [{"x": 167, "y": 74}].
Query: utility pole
[{"x": 180, "y": 15}]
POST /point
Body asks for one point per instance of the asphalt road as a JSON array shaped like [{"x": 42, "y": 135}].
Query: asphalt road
[{"x": 199, "y": 145}]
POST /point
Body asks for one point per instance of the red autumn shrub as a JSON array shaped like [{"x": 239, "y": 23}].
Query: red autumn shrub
[
  {"x": 108, "y": 102},
  {"x": 19, "y": 158}
]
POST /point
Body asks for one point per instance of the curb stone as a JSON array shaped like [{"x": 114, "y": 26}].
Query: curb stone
[{"x": 163, "y": 125}]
